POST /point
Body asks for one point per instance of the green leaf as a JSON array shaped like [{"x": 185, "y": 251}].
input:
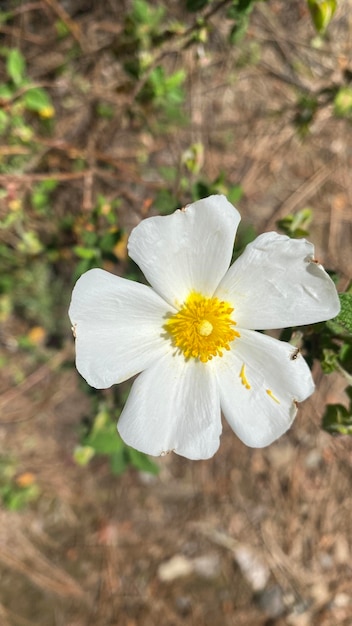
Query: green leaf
[
  {"x": 239, "y": 29},
  {"x": 322, "y": 12},
  {"x": 239, "y": 8},
  {"x": 30, "y": 243},
  {"x": 61, "y": 29},
  {"x": 4, "y": 17},
  {"x": 143, "y": 13},
  {"x": 40, "y": 196},
  {"x": 345, "y": 356},
  {"x": 109, "y": 240},
  {"x": 85, "y": 253},
  {"x": 142, "y": 462},
  {"x": 196, "y": 5},
  {"x": 235, "y": 194},
  {"x": 83, "y": 455},
  {"x": 103, "y": 109},
  {"x": 16, "y": 66},
  {"x": 37, "y": 100},
  {"x": 169, "y": 173},
  {"x": 90, "y": 237},
  {"x": 343, "y": 102},
  {"x": 4, "y": 121},
  {"x": 245, "y": 234},
  {"x": 337, "y": 420},
  {"x": 6, "y": 93},
  {"x": 165, "y": 202},
  {"x": 118, "y": 462},
  {"x": 104, "y": 438},
  {"x": 307, "y": 107},
  {"x": 106, "y": 442},
  {"x": 329, "y": 362},
  {"x": 342, "y": 324},
  {"x": 140, "y": 11},
  {"x": 49, "y": 184},
  {"x": 296, "y": 225},
  {"x": 193, "y": 158}
]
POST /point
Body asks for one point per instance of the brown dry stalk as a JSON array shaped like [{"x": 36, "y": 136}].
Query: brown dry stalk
[
  {"x": 69, "y": 23},
  {"x": 50, "y": 577},
  {"x": 33, "y": 379},
  {"x": 302, "y": 194}
]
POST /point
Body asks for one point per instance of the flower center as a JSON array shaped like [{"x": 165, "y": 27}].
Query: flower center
[{"x": 202, "y": 328}]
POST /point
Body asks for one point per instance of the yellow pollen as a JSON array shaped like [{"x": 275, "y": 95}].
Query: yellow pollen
[
  {"x": 271, "y": 395},
  {"x": 205, "y": 328},
  {"x": 243, "y": 377},
  {"x": 202, "y": 328}
]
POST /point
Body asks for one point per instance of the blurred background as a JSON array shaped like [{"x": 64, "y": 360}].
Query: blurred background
[{"x": 111, "y": 112}]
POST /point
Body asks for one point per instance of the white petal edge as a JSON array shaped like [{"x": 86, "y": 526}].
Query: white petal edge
[
  {"x": 188, "y": 250},
  {"x": 118, "y": 327},
  {"x": 278, "y": 378},
  {"x": 173, "y": 406},
  {"x": 277, "y": 283}
]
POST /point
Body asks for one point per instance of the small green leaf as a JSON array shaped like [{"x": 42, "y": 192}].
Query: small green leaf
[
  {"x": 142, "y": 462},
  {"x": 329, "y": 361},
  {"x": 193, "y": 158},
  {"x": 106, "y": 110},
  {"x": 118, "y": 462},
  {"x": 61, "y": 29},
  {"x": 246, "y": 233},
  {"x": 89, "y": 238},
  {"x": 49, "y": 184},
  {"x": 322, "y": 12},
  {"x": 345, "y": 356},
  {"x": 337, "y": 420},
  {"x": 343, "y": 102},
  {"x": 196, "y": 5},
  {"x": 16, "y": 66},
  {"x": 85, "y": 253},
  {"x": 30, "y": 243},
  {"x": 239, "y": 8},
  {"x": 109, "y": 240},
  {"x": 105, "y": 442},
  {"x": 5, "y": 16},
  {"x": 83, "y": 455},
  {"x": 6, "y": 93},
  {"x": 4, "y": 121},
  {"x": 296, "y": 225},
  {"x": 165, "y": 202},
  {"x": 37, "y": 100},
  {"x": 235, "y": 194},
  {"x": 342, "y": 324},
  {"x": 169, "y": 173},
  {"x": 104, "y": 438},
  {"x": 140, "y": 11}
]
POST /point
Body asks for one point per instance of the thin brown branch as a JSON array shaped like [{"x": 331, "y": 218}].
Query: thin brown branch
[{"x": 70, "y": 24}]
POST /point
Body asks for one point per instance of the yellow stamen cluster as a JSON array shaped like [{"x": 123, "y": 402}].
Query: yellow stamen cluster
[{"x": 202, "y": 328}]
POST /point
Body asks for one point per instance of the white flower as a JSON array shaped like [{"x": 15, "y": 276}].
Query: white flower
[{"x": 190, "y": 335}]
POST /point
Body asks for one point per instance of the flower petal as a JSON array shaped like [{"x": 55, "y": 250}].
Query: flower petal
[
  {"x": 189, "y": 250},
  {"x": 277, "y": 283},
  {"x": 118, "y": 327},
  {"x": 260, "y": 381},
  {"x": 173, "y": 405}
]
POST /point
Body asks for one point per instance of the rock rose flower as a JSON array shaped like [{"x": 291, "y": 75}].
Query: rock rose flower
[{"x": 192, "y": 335}]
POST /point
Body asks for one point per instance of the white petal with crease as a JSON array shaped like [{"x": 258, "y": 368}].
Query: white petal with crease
[
  {"x": 118, "y": 327},
  {"x": 174, "y": 405},
  {"x": 188, "y": 250},
  {"x": 261, "y": 414},
  {"x": 275, "y": 284}
]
